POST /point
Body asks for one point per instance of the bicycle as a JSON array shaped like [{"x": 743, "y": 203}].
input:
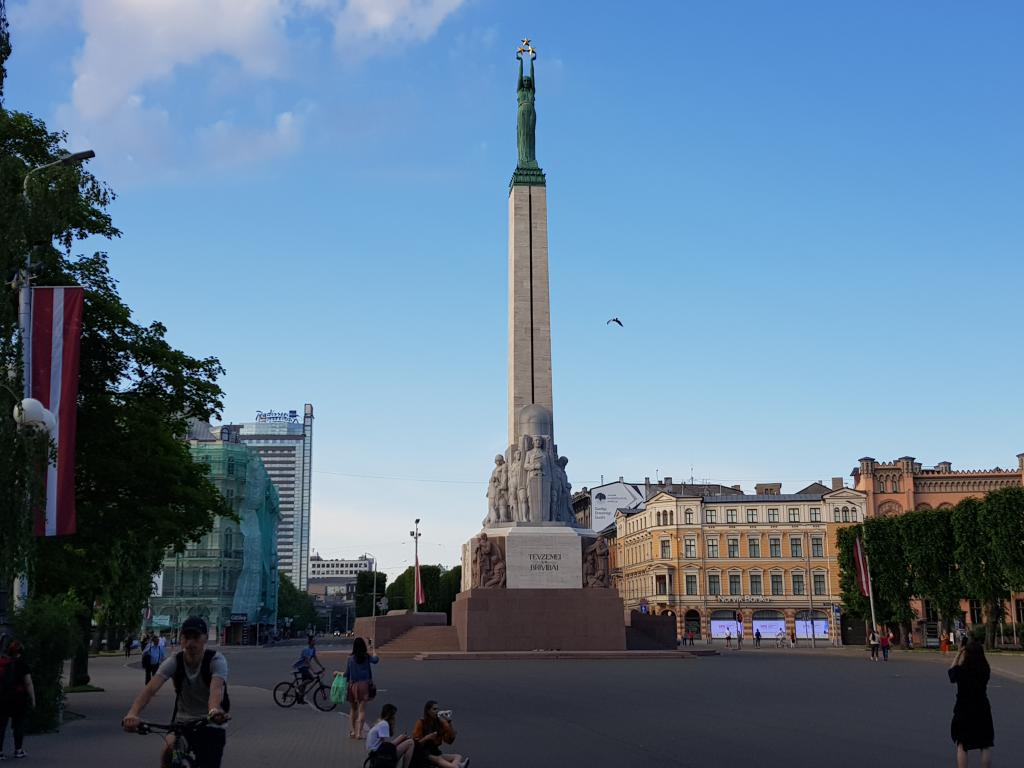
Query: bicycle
[
  {"x": 182, "y": 754},
  {"x": 287, "y": 693}
]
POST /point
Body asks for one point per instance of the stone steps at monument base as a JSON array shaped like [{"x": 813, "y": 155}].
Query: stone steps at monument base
[{"x": 421, "y": 640}]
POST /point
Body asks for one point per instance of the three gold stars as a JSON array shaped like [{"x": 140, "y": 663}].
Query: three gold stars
[{"x": 526, "y": 47}]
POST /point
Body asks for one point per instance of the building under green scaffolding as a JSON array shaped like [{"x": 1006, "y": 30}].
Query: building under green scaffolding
[{"x": 229, "y": 577}]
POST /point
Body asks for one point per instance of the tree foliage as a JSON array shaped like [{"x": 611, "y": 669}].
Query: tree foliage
[
  {"x": 365, "y": 589},
  {"x": 440, "y": 585},
  {"x": 294, "y": 604},
  {"x": 138, "y": 491},
  {"x": 48, "y": 628}
]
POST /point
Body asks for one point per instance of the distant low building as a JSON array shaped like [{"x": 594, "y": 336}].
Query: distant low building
[{"x": 229, "y": 577}]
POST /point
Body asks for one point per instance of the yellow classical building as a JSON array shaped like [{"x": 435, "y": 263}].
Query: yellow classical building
[{"x": 730, "y": 565}]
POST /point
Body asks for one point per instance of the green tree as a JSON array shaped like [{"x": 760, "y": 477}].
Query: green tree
[
  {"x": 138, "y": 491},
  {"x": 440, "y": 585},
  {"x": 929, "y": 544},
  {"x": 1003, "y": 517},
  {"x": 295, "y": 604},
  {"x": 856, "y": 604},
  {"x": 890, "y": 569},
  {"x": 48, "y": 628},
  {"x": 979, "y": 569},
  {"x": 366, "y": 588}
]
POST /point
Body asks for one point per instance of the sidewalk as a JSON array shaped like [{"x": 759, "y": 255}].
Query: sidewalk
[{"x": 260, "y": 735}]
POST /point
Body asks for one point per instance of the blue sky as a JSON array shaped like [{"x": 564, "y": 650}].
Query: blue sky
[{"x": 808, "y": 216}]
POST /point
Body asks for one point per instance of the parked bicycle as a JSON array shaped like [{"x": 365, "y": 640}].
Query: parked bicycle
[
  {"x": 288, "y": 693},
  {"x": 182, "y": 754}
]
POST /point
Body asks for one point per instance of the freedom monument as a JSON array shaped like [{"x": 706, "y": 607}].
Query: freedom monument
[{"x": 531, "y": 579}]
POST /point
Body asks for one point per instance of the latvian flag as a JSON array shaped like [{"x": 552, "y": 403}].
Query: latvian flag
[
  {"x": 421, "y": 597},
  {"x": 56, "y": 332}
]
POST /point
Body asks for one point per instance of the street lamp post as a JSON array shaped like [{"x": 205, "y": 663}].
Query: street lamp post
[{"x": 415, "y": 533}]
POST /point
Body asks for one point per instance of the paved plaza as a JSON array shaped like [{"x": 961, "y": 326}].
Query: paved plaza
[{"x": 752, "y": 708}]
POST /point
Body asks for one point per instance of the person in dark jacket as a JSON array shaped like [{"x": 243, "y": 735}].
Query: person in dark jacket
[
  {"x": 971, "y": 727},
  {"x": 16, "y": 696}
]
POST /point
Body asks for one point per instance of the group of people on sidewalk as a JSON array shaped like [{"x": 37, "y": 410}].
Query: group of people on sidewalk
[{"x": 385, "y": 748}]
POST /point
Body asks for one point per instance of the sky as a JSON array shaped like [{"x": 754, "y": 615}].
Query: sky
[{"x": 807, "y": 215}]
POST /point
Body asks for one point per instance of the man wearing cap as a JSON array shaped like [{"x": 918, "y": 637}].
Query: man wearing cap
[{"x": 197, "y": 698}]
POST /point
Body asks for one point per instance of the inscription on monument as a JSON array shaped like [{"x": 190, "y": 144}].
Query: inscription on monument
[{"x": 548, "y": 560}]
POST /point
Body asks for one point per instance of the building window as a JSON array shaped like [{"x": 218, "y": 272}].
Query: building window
[
  {"x": 711, "y": 516},
  {"x": 714, "y": 584},
  {"x": 751, "y": 515},
  {"x": 754, "y": 547},
  {"x": 730, "y": 515},
  {"x": 712, "y": 547},
  {"x": 835, "y": 514},
  {"x": 734, "y": 584},
  {"x": 846, "y": 514},
  {"x": 755, "y": 583},
  {"x": 691, "y": 547},
  {"x": 666, "y": 548},
  {"x": 976, "y": 617},
  {"x": 794, "y": 515},
  {"x": 815, "y": 514},
  {"x": 776, "y": 583},
  {"x": 795, "y": 548},
  {"x": 691, "y": 584},
  {"x": 816, "y": 548},
  {"x": 231, "y": 465},
  {"x": 774, "y": 547},
  {"x": 798, "y": 583},
  {"x": 853, "y": 514},
  {"x": 819, "y": 584},
  {"x": 895, "y": 485},
  {"x": 881, "y": 485},
  {"x": 734, "y": 547},
  {"x": 661, "y": 585},
  {"x": 688, "y": 516},
  {"x": 773, "y": 515}
]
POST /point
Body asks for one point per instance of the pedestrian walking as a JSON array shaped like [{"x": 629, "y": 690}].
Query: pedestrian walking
[
  {"x": 779, "y": 637},
  {"x": 971, "y": 727},
  {"x": 943, "y": 642},
  {"x": 728, "y": 638},
  {"x": 757, "y": 638},
  {"x": 873, "y": 644},
  {"x": 885, "y": 641},
  {"x": 17, "y": 695},
  {"x": 792, "y": 639},
  {"x": 127, "y": 647},
  {"x": 360, "y": 685},
  {"x": 692, "y": 635},
  {"x": 739, "y": 638}
]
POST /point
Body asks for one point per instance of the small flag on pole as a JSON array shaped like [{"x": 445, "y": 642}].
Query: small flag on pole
[
  {"x": 54, "y": 350},
  {"x": 421, "y": 598},
  {"x": 860, "y": 563}
]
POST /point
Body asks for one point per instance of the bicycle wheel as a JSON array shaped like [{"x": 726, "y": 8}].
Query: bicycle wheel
[
  {"x": 322, "y": 699},
  {"x": 285, "y": 694}
]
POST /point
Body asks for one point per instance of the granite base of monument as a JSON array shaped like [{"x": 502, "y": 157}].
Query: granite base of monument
[{"x": 539, "y": 619}]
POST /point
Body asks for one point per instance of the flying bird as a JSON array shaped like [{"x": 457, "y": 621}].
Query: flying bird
[{"x": 616, "y": 321}]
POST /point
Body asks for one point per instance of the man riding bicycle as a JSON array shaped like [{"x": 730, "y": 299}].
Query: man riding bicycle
[
  {"x": 201, "y": 691},
  {"x": 302, "y": 667}
]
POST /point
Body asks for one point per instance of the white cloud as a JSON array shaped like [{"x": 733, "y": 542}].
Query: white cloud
[
  {"x": 226, "y": 143},
  {"x": 390, "y": 20}
]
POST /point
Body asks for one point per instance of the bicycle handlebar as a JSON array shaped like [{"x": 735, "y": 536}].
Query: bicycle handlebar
[{"x": 188, "y": 725}]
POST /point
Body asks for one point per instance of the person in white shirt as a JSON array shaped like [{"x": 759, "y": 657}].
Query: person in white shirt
[{"x": 381, "y": 732}]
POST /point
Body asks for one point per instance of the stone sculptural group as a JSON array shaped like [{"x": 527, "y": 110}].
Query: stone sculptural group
[{"x": 531, "y": 486}]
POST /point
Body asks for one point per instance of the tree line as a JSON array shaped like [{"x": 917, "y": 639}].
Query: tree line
[{"x": 972, "y": 551}]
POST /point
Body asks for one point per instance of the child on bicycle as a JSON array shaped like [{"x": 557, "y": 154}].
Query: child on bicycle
[
  {"x": 197, "y": 696},
  {"x": 302, "y": 667}
]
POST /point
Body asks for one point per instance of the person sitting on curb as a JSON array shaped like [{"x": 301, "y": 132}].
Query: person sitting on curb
[
  {"x": 431, "y": 731},
  {"x": 397, "y": 750}
]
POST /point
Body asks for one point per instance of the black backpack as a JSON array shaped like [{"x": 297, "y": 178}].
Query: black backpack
[
  {"x": 204, "y": 672},
  {"x": 384, "y": 756}
]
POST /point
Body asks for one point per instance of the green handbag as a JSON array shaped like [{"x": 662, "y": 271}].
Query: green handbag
[{"x": 339, "y": 689}]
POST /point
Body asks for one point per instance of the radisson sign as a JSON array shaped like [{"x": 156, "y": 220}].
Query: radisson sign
[{"x": 277, "y": 417}]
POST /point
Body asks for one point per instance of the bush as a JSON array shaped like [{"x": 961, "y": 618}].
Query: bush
[{"x": 48, "y": 628}]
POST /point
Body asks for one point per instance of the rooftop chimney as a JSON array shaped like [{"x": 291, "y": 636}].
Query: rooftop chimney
[
  {"x": 768, "y": 489},
  {"x": 738, "y": 488},
  {"x": 667, "y": 481},
  {"x": 837, "y": 483}
]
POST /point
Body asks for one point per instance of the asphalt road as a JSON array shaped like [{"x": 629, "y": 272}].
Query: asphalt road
[{"x": 787, "y": 708}]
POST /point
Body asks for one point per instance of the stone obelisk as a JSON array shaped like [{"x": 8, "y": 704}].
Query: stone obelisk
[
  {"x": 531, "y": 578},
  {"x": 529, "y": 306}
]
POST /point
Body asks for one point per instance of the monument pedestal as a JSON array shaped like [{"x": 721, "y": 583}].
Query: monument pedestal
[{"x": 539, "y": 619}]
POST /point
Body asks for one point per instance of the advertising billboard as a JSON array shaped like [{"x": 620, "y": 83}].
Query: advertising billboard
[{"x": 605, "y": 499}]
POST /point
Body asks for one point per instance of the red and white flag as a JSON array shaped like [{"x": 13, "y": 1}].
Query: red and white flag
[
  {"x": 421, "y": 598},
  {"x": 56, "y": 333},
  {"x": 860, "y": 564}
]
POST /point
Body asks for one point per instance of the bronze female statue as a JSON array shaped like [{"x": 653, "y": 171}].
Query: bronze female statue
[{"x": 527, "y": 128}]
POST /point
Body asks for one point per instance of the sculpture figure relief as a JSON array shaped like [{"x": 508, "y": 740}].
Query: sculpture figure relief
[
  {"x": 517, "y": 487},
  {"x": 595, "y": 564},
  {"x": 561, "y": 492},
  {"x": 526, "y": 129},
  {"x": 497, "y": 493},
  {"x": 538, "y": 481},
  {"x": 488, "y": 564}
]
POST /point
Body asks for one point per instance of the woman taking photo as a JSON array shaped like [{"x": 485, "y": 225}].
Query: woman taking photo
[
  {"x": 360, "y": 685},
  {"x": 971, "y": 727},
  {"x": 431, "y": 731}
]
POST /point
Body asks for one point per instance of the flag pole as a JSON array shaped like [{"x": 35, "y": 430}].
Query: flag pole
[{"x": 871, "y": 592}]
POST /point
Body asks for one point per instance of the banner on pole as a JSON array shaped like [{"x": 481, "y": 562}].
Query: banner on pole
[
  {"x": 421, "y": 598},
  {"x": 56, "y": 331}
]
